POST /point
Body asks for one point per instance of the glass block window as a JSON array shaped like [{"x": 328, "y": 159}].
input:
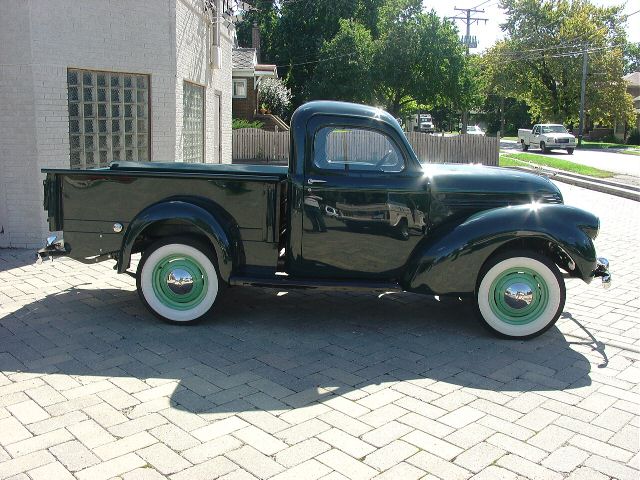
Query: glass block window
[
  {"x": 108, "y": 117},
  {"x": 192, "y": 123}
]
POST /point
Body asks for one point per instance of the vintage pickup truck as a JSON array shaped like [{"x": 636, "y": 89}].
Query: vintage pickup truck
[
  {"x": 498, "y": 236},
  {"x": 547, "y": 136}
]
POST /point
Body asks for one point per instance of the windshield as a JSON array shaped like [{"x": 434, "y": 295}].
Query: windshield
[
  {"x": 553, "y": 129},
  {"x": 473, "y": 129}
]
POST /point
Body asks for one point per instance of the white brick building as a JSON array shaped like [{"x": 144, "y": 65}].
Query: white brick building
[{"x": 86, "y": 82}]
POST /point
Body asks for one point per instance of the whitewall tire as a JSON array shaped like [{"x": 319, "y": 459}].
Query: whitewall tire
[
  {"x": 178, "y": 281},
  {"x": 520, "y": 294}
]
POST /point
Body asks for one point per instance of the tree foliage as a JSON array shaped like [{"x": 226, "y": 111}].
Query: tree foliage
[
  {"x": 386, "y": 52},
  {"x": 632, "y": 57},
  {"x": 274, "y": 94},
  {"x": 540, "y": 60}
]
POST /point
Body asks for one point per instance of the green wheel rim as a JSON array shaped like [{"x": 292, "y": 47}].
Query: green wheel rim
[
  {"x": 174, "y": 300},
  {"x": 519, "y": 316}
]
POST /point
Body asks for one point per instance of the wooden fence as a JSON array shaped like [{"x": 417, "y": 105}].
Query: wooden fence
[{"x": 252, "y": 145}]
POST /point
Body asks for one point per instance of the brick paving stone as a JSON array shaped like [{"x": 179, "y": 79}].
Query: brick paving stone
[
  {"x": 91, "y": 434},
  {"x": 386, "y": 457},
  {"x": 479, "y": 457},
  {"x": 309, "y": 470},
  {"x": 211, "y": 449},
  {"x": 301, "y": 452},
  {"x": 163, "y": 459},
  {"x": 402, "y": 471},
  {"x": 125, "y": 445},
  {"x": 12, "y": 431},
  {"x": 439, "y": 467},
  {"x": 586, "y": 473},
  {"x": 143, "y": 474},
  {"x": 344, "y": 422},
  {"x": 302, "y": 431},
  {"x": 385, "y": 434},
  {"x": 600, "y": 448},
  {"x": 528, "y": 469},
  {"x": 432, "y": 444},
  {"x": 219, "y": 428},
  {"x": 28, "y": 412},
  {"x": 550, "y": 438},
  {"x": 137, "y": 425},
  {"x": 30, "y": 461},
  {"x": 565, "y": 459},
  {"x": 39, "y": 442},
  {"x": 346, "y": 465},
  {"x": 255, "y": 462},
  {"x": 611, "y": 468},
  {"x": 51, "y": 471},
  {"x": 74, "y": 455},
  {"x": 216, "y": 467},
  {"x": 347, "y": 443},
  {"x": 517, "y": 447}
]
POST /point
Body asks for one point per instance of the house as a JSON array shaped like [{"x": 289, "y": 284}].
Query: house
[
  {"x": 247, "y": 75},
  {"x": 633, "y": 89},
  {"x": 86, "y": 83}
]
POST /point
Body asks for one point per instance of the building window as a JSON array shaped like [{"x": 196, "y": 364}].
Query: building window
[
  {"x": 192, "y": 123},
  {"x": 108, "y": 117},
  {"x": 239, "y": 88}
]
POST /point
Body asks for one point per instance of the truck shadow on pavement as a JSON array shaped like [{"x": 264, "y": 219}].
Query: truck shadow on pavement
[{"x": 279, "y": 351}]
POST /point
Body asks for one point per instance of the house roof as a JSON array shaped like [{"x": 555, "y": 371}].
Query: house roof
[
  {"x": 633, "y": 79},
  {"x": 244, "y": 58}
]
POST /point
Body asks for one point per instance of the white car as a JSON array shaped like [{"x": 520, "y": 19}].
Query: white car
[
  {"x": 546, "y": 136},
  {"x": 474, "y": 130}
]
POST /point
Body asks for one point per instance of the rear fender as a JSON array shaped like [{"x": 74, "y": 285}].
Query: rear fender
[
  {"x": 200, "y": 217},
  {"x": 449, "y": 259}
]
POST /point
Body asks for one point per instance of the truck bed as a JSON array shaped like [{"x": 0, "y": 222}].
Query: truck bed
[{"x": 85, "y": 204}]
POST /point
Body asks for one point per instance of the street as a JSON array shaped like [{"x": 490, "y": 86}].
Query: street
[
  {"x": 309, "y": 385},
  {"x": 604, "y": 160}
]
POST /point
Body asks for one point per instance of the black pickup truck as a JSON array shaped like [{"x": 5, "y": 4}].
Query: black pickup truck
[{"x": 354, "y": 209}]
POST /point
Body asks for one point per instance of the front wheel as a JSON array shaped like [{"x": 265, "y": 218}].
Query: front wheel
[
  {"x": 177, "y": 280},
  {"x": 520, "y": 294},
  {"x": 543, "y": 147}
]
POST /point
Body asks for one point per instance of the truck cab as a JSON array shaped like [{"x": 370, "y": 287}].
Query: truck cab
[{"x": 354, "y": 209}]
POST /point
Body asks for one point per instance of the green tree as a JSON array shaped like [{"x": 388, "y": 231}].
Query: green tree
[
  {"x": 632, "y": 57},
  {"x": 345, "y": 72},
  {"x": 540, "y": 60}
]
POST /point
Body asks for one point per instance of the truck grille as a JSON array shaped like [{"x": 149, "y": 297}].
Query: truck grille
[{"x": 563, "y": 140}]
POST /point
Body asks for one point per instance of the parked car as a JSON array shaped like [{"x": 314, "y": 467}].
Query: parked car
[
  {"x": 547, "y": 136},
  {"x": 498, "y": 236},
  {"x": 475, "y": 130}
]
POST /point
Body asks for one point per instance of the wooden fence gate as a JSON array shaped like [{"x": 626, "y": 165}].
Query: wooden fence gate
[{"x": 251, "y": 145}]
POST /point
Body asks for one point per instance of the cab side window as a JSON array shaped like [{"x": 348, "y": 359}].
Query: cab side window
[
  {"x": 536, "y": 130},
  {"x": 356, "y": 149}
]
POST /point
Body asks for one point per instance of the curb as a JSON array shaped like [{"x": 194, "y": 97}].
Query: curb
[{"x": 630, "y": 192}]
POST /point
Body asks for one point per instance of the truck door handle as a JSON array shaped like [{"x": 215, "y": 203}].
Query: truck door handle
[{"x": 311, "y": 181}]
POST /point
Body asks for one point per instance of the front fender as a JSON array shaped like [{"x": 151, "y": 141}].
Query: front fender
[
  {"x": 173, "y": 210},
  {"x": 449, "y": 259}
]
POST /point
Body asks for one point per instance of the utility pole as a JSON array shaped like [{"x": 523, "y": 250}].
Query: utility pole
[
  {"x": 468, "y": 42},
  {"x": 585, "y": 64}
]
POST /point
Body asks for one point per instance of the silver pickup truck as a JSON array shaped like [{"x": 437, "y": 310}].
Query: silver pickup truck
[{"x": 547, "y": 136}]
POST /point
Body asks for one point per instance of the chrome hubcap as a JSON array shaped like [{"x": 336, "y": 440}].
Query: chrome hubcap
[
  {"x": 518, "y": 295},
  {"x": 180, "y": 281}
]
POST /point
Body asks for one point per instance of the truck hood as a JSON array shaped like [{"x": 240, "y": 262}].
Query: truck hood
[{"x": 462, "y": 190}]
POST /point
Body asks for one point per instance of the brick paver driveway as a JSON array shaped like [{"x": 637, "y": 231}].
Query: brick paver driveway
[{"x": 312, "y": 385}]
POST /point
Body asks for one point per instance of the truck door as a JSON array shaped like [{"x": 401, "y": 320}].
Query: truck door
[
  {"x": 535, "y": 135},
  {"x": 365, "y": 201}
]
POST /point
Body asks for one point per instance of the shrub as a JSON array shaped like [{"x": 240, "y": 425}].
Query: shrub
[
  {"x": 274, "y": 95},
  {"x": 242, "y": 123},
  {"x": 634, "y": 137}
]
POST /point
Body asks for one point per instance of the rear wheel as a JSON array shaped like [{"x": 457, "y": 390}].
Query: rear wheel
[
  {"x": 525, "y": 147},
  {"x": 520, "y": 294},
  {"x": 570, "y": 151},
  {"x": 177, "y": 280}
]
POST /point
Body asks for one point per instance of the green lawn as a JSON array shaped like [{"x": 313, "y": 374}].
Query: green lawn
[
  {"x": 531, "y": 159},
  {"x": 587, "y": 145}
]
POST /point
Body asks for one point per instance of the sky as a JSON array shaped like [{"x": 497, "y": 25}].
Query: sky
[{"x": 489, "y": 32}]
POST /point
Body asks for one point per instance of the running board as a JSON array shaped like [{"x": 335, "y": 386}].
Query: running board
[{"x": 291, "y": 283}]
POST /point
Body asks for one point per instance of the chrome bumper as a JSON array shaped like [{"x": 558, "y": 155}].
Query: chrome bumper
[
  {"x": 53, "y": 248},
  {"x": 602, "y": 270}
]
